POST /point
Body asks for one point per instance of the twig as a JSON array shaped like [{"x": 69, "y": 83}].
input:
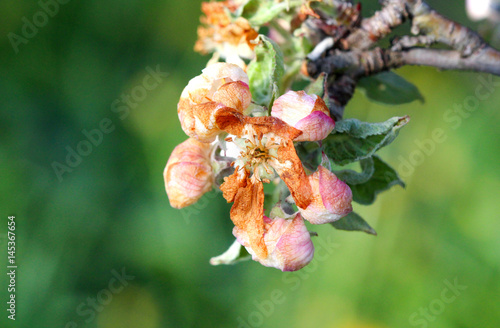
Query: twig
[
  {"x": 378, "y": 26},
  {"x": 366, "y": 63},
  {"x": 355, "y": 59}
]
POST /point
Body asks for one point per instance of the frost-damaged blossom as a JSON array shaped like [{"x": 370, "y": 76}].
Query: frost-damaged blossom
[
  {"x": 188, "y": 174},
  {"x": 230, "y": 38},
  {"x": 266, "y": 151},
  {"x": 288, "y": 244},
  {"x": 220, "y": 85},
  {"x": 332, "y": 198},
  {"x": 306, "y": 113},
  {"x": 215, "y": 103}
]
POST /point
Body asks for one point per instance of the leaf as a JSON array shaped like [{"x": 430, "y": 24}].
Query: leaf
[
  {"x": 235, "y": 253},
  {"x": 353, "y": 222},
  {"x": 318, "y": 86},
  {"x": 265, "y": 72},
  {"x": 389, "y": 88},
  {"x": 352, "y": 177},
  {"x": 309, "y": 153},
  {"x": 353, "y": 140},
  {"x": 260, "y": 12},
  {"x": 382, "y": 178}
]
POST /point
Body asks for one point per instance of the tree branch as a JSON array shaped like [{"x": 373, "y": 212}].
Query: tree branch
[
  {"x": 378, "y": 26},
  {"x": 352, "y": 58},
  {"x": 486, "y": 60},
  {"x": 360, "y": 64}
]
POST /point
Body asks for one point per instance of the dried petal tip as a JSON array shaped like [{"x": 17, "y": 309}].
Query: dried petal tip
[
  {"x": 332, "y": 198},
  {"x": 306, "y": 113},
  {"x": 288, "y": 243},
  {"x": 188, "y": 174}
]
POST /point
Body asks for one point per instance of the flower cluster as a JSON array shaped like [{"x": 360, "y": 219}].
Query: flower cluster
[
  {"x": 232, "y": 39},
  {"x": 215, "y": 112}
]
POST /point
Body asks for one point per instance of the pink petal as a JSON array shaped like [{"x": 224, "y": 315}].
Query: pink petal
[
  {"x": 314, "y": 127},
  {"x": 288, "y": 243},
  {"x": 336, "y": 194},
  {"x": 293, "y": 106},
  {"x": 332, "y": 198}
]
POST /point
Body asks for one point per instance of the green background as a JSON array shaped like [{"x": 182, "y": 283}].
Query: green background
[{"x": 111, "y": 212}]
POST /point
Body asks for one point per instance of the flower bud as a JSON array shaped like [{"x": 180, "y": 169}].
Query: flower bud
[
  {"x": 188, "y": 174},
  {"x": 288, "y": 243},
  {"x": 306, "y": 113},
  {"x": 220, "y": 85},
  {"x": 332, "y": 198}
]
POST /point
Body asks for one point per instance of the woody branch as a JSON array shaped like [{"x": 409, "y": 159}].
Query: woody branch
[{"x": 357, "y": 55}]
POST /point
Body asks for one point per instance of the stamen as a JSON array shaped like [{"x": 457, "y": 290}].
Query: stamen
[
  {"x": 268, "y": 170},
  {"x": 256, "y": 153}
]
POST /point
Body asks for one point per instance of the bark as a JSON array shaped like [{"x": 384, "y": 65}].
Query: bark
[{"x": 357, "y": 56}]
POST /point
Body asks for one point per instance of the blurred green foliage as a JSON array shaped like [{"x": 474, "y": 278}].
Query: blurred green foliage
[{"x": 111, "y": 212}]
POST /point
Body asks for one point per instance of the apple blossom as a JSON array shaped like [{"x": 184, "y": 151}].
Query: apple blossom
[
  {"x": 188, "y": 173},
  {"x": 332, "y": 198},
  {"x": 307, "y": 113}
]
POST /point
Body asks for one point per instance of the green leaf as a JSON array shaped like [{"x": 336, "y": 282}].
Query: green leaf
[
  {"x": 353, "y": 222},
  {"x": 318, "y": 86},
  {"x": 352, "y": 177},
  {"x": 265, "y": 72},
  {"x": 260, "y": 12},
  {"x": 389, "y": 88},
  {"x": 353, "y": 140},
  {"x": 235, "y": 253},
  {"x": 309, "y": 153},
  {"x": 382, "y": 178}
]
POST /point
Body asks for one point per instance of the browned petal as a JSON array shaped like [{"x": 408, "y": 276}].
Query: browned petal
[
  {"x": 234, "y": 94},
  {"x": 205, "y": 111},
  {"x": 215, "y": 13},
  {"x": 247, "y": 215},
  {"x": 234, "y": 122},
  {"x": 191, "y": 116},
  {"x": 204, "y": 44},
  {"x": 292, "y": 173},
  {"x": 231, "y": 121},
  {"x": 267, "y": 124},
  {"x": 231, "y": 185},
  {"x": 319, "y": 105},
  {"x": 238, "y": 32},
  {"x": 250, "y": 33}
]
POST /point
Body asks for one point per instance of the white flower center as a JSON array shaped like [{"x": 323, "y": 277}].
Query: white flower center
[{"x": 256, "y": 155}]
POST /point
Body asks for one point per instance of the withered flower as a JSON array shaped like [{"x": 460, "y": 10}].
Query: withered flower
[
  {"x": 266, "y": 150},
  {"x": 306, "y": 113},
  {"x": 220, "y": 85},
  {"x": 331, "y": 198},
  {"x": 188, "y": 174},
  {"x": 288, "y": 243},
  {"x": 232, "y": 39}
]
